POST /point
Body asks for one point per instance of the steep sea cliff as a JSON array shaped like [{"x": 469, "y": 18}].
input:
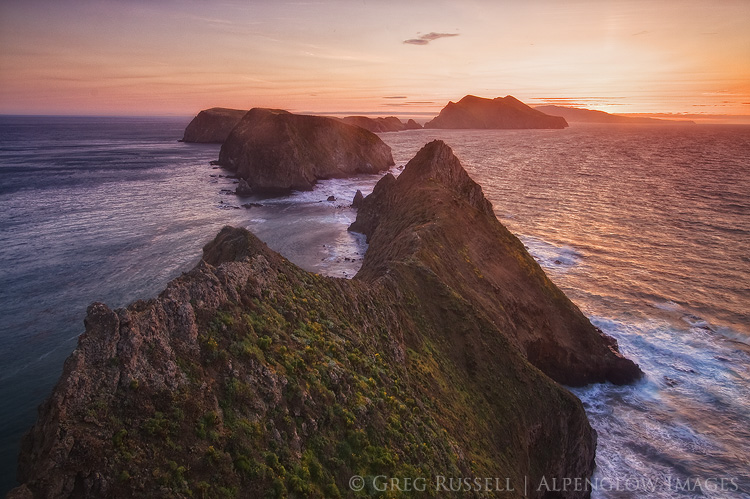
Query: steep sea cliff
[{"x": 248, "y": 374}]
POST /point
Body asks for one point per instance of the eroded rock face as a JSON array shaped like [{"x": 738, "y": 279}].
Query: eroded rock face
[
  {"x": 277, "y": 151},
  {"x": 248, "y": 374},
  {"x": 434, "y": 214},
  {"x": 501, "y": 112},
  {"x": 212, "y": 125}
]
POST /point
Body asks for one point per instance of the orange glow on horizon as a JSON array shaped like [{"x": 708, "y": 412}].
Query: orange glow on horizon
[{"x": 405, "y": 58}]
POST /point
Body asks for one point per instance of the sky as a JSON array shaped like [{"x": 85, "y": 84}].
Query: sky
[{"x": 403, "y": 57}]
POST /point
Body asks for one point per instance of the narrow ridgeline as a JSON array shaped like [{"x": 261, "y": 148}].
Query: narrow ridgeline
[{"x": 250, "y": 377}]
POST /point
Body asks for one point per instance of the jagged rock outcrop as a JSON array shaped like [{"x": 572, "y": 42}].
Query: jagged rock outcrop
[
  {"x": 578, "y": 115},
  {"x": 243, "y": 188},
  {"x": 212, "y": 125},
  {"x": 412, "y": 125},
  {"x": 501, "y": 112},
  {"x": 249, "y": 375},
  {"x": 358, "y": 199},
  {"x": 277, "y": 151}
]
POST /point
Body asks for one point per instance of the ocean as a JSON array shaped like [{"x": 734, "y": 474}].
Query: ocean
[{"x": 646, "y": 228}]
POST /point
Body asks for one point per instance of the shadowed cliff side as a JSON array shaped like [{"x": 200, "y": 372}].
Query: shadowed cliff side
[
  {"x": 435, "y": 217},
  {"x": 277, "y": 151},
  {"x": 250, "y": 377}
]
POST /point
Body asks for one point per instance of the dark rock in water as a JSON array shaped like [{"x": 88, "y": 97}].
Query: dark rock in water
[
  {"x": 252, "y": 205},
  {"x": 412, "y": 125},
  {"x": 277, "y": 151},
  {"x": 433, "y": 358},
  {"x": 331, "y": 198},
  {"x": 502, "y": 112},
  {"x": 212, "y": 125},
  {"x": 243, "y": 188},
  {"x": 358, "y": 198}
]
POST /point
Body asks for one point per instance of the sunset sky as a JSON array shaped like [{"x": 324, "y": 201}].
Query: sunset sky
[{"x": 382, "y": 56}]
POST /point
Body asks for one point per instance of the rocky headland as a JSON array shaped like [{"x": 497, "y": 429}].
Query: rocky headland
[
  {"x": 251, "y": 377},
  {"x": 275, "y": 151},
  {"x": 499, "y": 113},
  {"x": 212, "y": 125}
]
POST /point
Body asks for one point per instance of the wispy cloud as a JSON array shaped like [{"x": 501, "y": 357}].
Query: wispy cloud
[{"x": 425, "y": 39}]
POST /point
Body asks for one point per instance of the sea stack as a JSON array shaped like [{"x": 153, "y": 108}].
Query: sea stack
[
  {"x": 212, "y": 125},
  {"x": 249, "y": 374},
  {"x": 276, "y": 151},
  {"x": 499, "y": 113}
]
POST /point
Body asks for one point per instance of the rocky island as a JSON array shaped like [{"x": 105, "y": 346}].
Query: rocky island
[
  {"x": 212, "y": 125},
  {"x": 498, "y": 113},
  {"x": 251, "y": 377},
  {"x": 276, "y": 151}
]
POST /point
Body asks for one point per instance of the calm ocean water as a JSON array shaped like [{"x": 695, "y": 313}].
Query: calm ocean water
[{"x": 646, "y": 228}]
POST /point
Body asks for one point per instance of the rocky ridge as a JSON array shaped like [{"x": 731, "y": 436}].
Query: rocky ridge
[{"x": 248, "y": 376}]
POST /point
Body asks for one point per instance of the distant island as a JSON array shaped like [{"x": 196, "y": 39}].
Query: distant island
[
  {"x": 389, "y": 124},
  {"x": 248, "y": 376},
  {"x": 214, "y": 125},
  {"x": 579, "y": 115},
  {"x": 499, "y": 113}
]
